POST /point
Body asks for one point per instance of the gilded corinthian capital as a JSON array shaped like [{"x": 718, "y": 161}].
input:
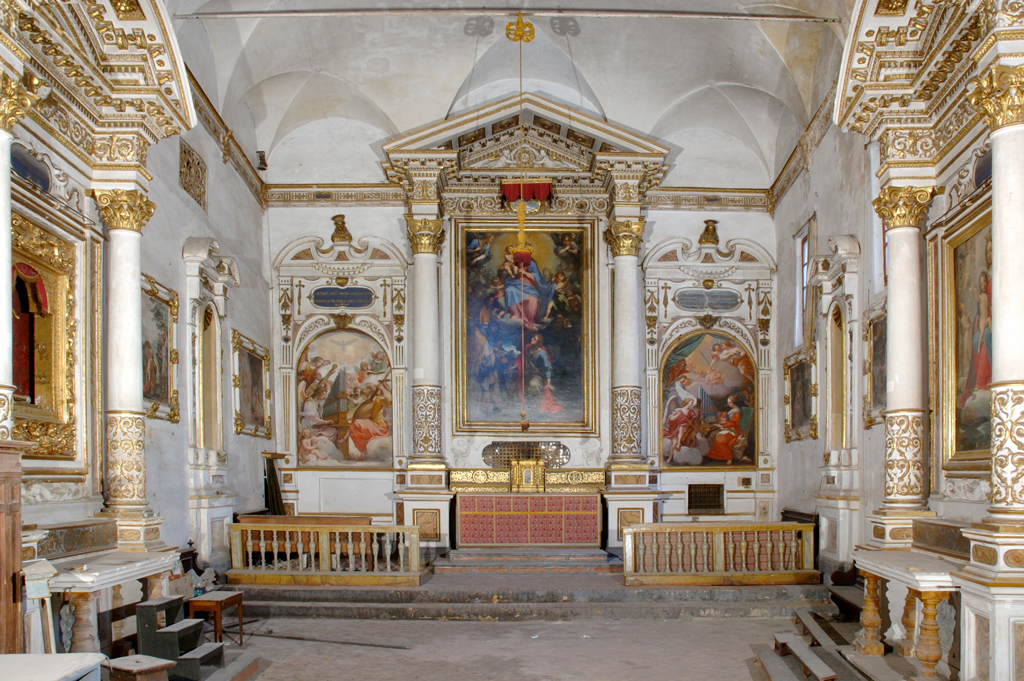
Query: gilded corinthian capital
[
  {"x": 425, "y": 235},
  {"x": 903, "y": 206},
  {"x": 625, "y": 236},
  {"x": 17, "y": 97},
  {"x": 999, "y": 94},
  {"x": 124, "y": 208}
]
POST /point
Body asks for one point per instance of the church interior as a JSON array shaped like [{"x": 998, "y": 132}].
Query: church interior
[{"x": 586, "y": 311}]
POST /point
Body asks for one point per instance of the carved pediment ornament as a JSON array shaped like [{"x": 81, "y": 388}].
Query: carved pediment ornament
[
  {"x": 539, "y": 151},
  {"x": 903, "y": 206},
  {"x": 17, "y": 97},
  {"x": 999, "y": 95}
]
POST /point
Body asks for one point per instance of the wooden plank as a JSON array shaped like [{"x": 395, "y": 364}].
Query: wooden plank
[
  {"x": 775, "y": 667},
  {"x": 812, "y": 664},
  {"x": 805, "y": 620}
]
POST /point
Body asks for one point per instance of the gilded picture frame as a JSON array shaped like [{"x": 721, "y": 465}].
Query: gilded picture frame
[
  {"x": 160, "y": 350},
  {"x": 965, "y": 359},
  {"x": 44, "y": 408},
  {"x": 800, "y": 377},
  {"x": 563, "y": 256},
  {"x": 874, "y": 370},
  {"x": 250, "y": 382}
]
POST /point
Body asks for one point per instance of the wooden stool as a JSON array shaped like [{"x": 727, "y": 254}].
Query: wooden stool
[
  {"x": 216, "y": 602},
  {"x": 138, "y": 668}
]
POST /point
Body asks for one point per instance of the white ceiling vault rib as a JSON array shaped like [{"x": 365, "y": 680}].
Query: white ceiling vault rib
[{"x": 728, "y": 88}]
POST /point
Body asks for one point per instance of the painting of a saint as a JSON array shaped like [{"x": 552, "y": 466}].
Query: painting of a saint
[
  {"x": 252, "y": 400},
  {"x": 343, "y": 384},
  {"x": 878, "y": 341},
  {"x": 708, "y": 403},
  {"x": 156, "y": 360},
  {"x": 526, "y": 334},
  {"x": 972, "y": 295}
]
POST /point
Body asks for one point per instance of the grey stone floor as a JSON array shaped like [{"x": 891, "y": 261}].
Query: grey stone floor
[{"x": 703, "y": 650}]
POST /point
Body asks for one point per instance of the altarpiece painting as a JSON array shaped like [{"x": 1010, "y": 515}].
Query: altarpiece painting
[
  {"x": 799, "y": 371},
  {"x": 159, "y": 350},
  {"x": 709, "y": 402},
  {"x": 344, "y": 395},
  {"x": 524, "y": 320}
]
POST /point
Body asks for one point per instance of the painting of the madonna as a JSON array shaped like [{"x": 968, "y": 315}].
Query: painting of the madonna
[
  {"x": 526, "y": 341},
  {"x": 708, "y": 403}
]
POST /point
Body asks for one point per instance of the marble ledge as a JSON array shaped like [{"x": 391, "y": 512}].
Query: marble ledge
[
  {"x": 103, "y": 570},
  {"x": 915, "y": 569}
]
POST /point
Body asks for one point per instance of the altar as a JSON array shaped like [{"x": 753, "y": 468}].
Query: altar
[{"x": 538, "y": 519}]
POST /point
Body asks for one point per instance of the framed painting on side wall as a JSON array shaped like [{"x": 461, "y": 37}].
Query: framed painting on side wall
[
  {"x": 966, "y": 344},
  {"x": 159, "y": 350},
  {"x": 250, "y": 381},
  {"x": 874, "y": 366},
  {"x": 801, "y": 398}
]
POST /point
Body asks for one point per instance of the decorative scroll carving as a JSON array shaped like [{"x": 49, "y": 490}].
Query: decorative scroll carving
[
  {"x": 426, "y": 420},
  {"x": 124, "y": 208},
  {"x": 425, "y": 235},
  {"x": 16, "y": 98},
  {"x": 1008, "y": 448},
  {"x": 192, "y": 175},
  {"x": 126, "y": 459},
  {"x": 40, "y": 492},
  {"x": 625, "y": 236},
  {"x": 903, "y": 206},
  {"x": 626, "y": 422},
  {"x": 999, "y": 95},
  {"x": 904, "y": 457}
]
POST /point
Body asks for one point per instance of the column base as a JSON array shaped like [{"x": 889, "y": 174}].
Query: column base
[
  {"x": 630, "y": 474},
  {"x": 992, "y": 626},
  {"x": 427, "y": 475},
  {"x": 432, "y": 512},
  {"x": 628, "y": 508},
  {"x": 997, "y": 553},
  {"x": 892, "y": 530},
  {"x": 140, "y": 533}
]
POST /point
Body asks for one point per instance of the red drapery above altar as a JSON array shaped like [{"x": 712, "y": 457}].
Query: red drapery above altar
[{"x": 528, "y": 190}]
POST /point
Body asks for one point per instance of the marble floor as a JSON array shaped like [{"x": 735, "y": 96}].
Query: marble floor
[{"x": 701, "y": 649}]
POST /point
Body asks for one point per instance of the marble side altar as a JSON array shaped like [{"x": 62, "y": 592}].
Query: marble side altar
[{"x": 548, "y": 520}]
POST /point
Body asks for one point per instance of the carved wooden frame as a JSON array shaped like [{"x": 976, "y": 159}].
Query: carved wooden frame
[
  {"x": 809, "y": 356},
  {"x": 166, "y": 411},
  {"x": 240, "y": 344}
]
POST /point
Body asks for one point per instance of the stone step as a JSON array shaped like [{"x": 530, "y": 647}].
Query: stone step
[
  {"x": 526, "y": 566},
  {"x": 530, "y": 555},
  {"x": 528, "y": 591},
  {"x": 523, "y": 611}
]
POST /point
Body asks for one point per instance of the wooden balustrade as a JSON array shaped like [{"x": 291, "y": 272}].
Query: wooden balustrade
[
  {"x": 291, "y": 551},
  {"x": 719, "y": 553}
]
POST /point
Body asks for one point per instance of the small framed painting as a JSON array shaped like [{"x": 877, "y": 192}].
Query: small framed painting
[
  {"x": 801, "y": 399},
  {"x": 159, "y": 350},
  {"x": 250, "y": 380},
  {"x": 874, "y": 366}
]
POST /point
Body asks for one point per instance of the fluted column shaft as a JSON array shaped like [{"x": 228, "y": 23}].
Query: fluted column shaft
[
  {"x": 998, "y": 94},
  {"x": 903, "y": 211},
  {"x": 125, "y": 212},
  {"x": 426, "y": 235},
  {"x": 625, "y": 237}
]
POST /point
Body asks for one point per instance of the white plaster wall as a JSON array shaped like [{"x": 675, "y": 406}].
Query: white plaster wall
[{"x": 235, "y": 220}]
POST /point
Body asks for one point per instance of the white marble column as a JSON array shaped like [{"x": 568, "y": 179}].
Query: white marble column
[
  {"x": 997, "y": 94},
  {"x": 426, "y": 235},
  {"x": 625, "y": 237},
  {"x": 16, "y": 98},
  {"x": 903, "y": 210},
  {"x": 125, "y": 212}
]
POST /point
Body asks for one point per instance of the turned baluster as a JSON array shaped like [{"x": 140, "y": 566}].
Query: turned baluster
[
  {"x": 299, "y": 545},
  {"x": 287, "y": 550},
  {"x": 679, "y": 551},
  {"x": 641, "y": 565},
  {"x": 401, "y": 539},
  {"x": 736, "y": 565},
  {"x": 787, "y": 550},
  {"x": 387, "y": 551},
  {"x": 362, "y": 550},
  {"x": 708, "y": 559},
  {"x": 757, "y": 550},
  {"x": 867, "y": 642},
  {"x": 351, "y": 554},
  {"x": 376, "y": 547},
  {"x": 928, "y": 649},
  {"x": 743, "y": 551},
  {"x": 770, "y": 546},
  {"x": 693, "y": 552},
  {"x": 274, "y": 545},
  {"x": 337, "y": 550},
  {"x": 654, "y": 551},
  {"x": 248, "y": 547},
  {"x": 905, "y": 647}
]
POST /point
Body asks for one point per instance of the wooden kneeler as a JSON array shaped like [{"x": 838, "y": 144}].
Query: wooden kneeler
[{"x": 139, "y": 668}]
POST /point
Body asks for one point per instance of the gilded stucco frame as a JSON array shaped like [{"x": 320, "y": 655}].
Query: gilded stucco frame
[
  {"x": 588, "y": 229},
  {"x": 872, "y": 316},
  {"x": 759, "y": 412},
  {"x": 51, "y": 427},
  {"x": 808, "y": 355},
  {"x": 964, "y": 228},
  {"x": 239, "y": 344},
  {"x": 166, "y": 411}
]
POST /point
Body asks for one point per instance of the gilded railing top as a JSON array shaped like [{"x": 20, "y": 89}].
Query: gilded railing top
[
  {"x": 317, "y": 527},
  {"x": 714, "y": 527}
]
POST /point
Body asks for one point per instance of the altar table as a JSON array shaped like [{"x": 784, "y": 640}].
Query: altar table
[{"x": 553, "y": 520}]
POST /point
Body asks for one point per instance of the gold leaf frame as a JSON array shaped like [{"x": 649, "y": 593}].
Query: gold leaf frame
[
  {"x": 166, "y": 411},
  {"x": 872, "y": 316},
  {"x": 51, "y": 427},
  {"x": 240, "y": 344},
  {"x": 588, "y": 229},
  {"x": 808, "y": 355},
  {"x": 972, "y": 462}
]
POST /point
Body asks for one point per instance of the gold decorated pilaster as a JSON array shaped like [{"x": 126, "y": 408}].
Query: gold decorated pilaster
[
  {"x": 625, "y": 236},
  {"x": 426, "y": 424},
  {"x": 126, "y": 462},
  {"x": 17, "y": 97},
  {"x": 626, "y": 409},
  {"x": 127, "y": 209},
  {"x": 999, "y": 95},
  {"x": 1007, "y": 452},
  {"x": 903, "y": 206},
  {"x": 904, "y": 459},
  {"x": 426, "y": 235}
]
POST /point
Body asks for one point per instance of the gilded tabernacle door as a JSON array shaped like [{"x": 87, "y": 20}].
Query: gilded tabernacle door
[{"x": 524, "y": 339}]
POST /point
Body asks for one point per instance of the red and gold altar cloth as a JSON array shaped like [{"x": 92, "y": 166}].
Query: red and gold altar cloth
[{"x": 563, "y": 520}]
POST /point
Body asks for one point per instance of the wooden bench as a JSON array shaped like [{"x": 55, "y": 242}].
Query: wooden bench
[
  {"x": 775, "y": 667},
  {"x": 809, "y": 626},
  {"x": 138, "y": 668},
  {"x": 178, "y": 641},
  {"x": 813, "y": 665}
]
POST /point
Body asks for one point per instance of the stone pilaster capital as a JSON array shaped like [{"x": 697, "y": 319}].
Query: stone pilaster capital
[
  {"x": 903, "y": 206},
  {"x": 426, "y": 235},
  {"x": 17, "y": 97},
  {"x": 127, "y": 209},
  {"x": 999, "y": 95},
  {"x": 625, "y": 236}
]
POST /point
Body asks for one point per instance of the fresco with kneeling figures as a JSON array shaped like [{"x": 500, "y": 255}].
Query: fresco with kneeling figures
[
  {"x": 343, "y": 382},
  {"x": 708, "y": 403}
]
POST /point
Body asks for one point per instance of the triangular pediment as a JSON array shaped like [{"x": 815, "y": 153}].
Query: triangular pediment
[{"x": 539, "y": 151}]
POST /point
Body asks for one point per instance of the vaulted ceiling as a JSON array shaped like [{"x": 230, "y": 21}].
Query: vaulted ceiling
[{"x": 321, "y": 94}]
